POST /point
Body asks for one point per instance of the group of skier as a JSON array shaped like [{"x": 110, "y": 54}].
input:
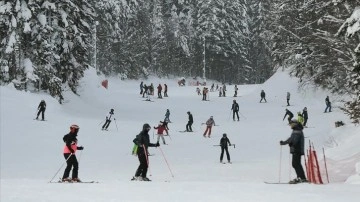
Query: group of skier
[{"x": 148, "y": 90}]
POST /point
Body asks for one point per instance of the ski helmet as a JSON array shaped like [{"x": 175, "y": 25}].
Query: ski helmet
[
  {"x": 74, "y": 128},
  {"x": 224, "y": 135},
  {"x": 146, "y": 126}
]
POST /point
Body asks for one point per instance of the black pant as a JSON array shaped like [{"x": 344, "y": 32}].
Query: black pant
[
  {"x": 262, "y": 99},
  {"x": 222, "y": 153},
  {"x": 305, "y": 121},
  {"x": 42, "y": 111},
  {"x": 143, "y": 167},
  {"x": 165, "y": 93},
  {"x": 204, "y": 96},
  {"x": 188, "y": 126},
  {"x": 235, "y": 93},
  {"x": 159, "y": 95},
  {"x": 106, "y": 124},
  {"x": 287, "y": 100},
  {"x": 237, "y": 115},
  {"x": 71, "y": 162},
  {"x": 296, "y": 164}
]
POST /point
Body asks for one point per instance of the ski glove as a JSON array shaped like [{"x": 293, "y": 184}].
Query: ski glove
[
  {"x": 80, "y": 148},
  {"x": 282, "y": 142}
]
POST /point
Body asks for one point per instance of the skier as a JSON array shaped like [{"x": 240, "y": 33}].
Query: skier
[
  {"x": 235, "y": 109},
  {"x": 291, "y": 115},
  {"x": 236, "y": 89},
  {"x": 220, "y": 91},
  {"x": 165, "y": 90},
  {"x": 205, "y": 91},
  {"x": 296, "y": 144},
  {"x": 288, "y": 98},
  {"x": 212, "y": 87},
  {"x": 300, "y": 118},
  {"x": 159, "y": 88},
  {"x": 190, "y": 122},
  {"x": 305, "y": 115},
  {"x": 328, "y": 104},
  {"x": 143, "y": 142},
  {"x": 41, "y": 109},
  {"x": 198, "y": 91},
  {"x": 224, "y": 141},
  {"x": 151, "y": 89},
  {"x": 160, "y": 131},
  {"x": 69, "y": 154},
  {"x": 262, "y": 95},
  {"x": 167, "y": 116},
  {"x": 141, "y": 87},
  {"x": 224, "y": 89},
  {"x": 217, "y": 86},
  {"x": 108, "y": 120},
  {"x": 146, "y": 88},
  {"x": 209, "y": 123}
]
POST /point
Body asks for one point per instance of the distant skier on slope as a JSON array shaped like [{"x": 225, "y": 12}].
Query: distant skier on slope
[
  {"x": 142, "y": 140},
  {"x": 160, "y": 131},
  {"x": 224, "y": 142},
  {"x": 328, "y": 104},
  {"x": 262, "y": 95},
  {"x": 167, "y": 116},
  {"x": 209, "y": 123},
  {"x": 296, "y": 143},
  {"x": 236, "y": 90},
  {"x": 190, "y": 122},
  {"x": 69, "y": 154},
  {"x": 288, "y": 113},
  {"x": 288, "y": 98},
  {"x": 305, "y": 115},
  {"x": 235, "y": 109},
  {"x": 165, "y": 90},
  {"x": 108, "y": 120},
  {"x": 41, "y": 109},
  {"x": 159, "y": 88}
]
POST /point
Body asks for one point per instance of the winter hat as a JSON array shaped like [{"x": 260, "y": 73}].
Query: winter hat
[
  {"x": 146, "y": 126},
  {"x": 224, "y": 135},
  {"x": 74, "y": 128}
]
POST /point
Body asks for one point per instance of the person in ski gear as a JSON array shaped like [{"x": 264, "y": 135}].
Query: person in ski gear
[
  {"x": 235, "y": 109},
  {"x": 212, "y": 87},
  {"x": 205, "y": 91},
  {"x": 143, "y": 142},
  {"x": 328, "y": 104},
  {"x": 224, "y": 142},
  {"x": 167, "y": 116},
  {"x": 224, "y": 90},
  {"x": 209, "y": 123},
  {"x": 300, "y": 118},
  {"x": 70, "y": 149},
  {"x": 220, "y": 91},
  {"x": 288, "y": 113},
  {"x": 160, "y": 131},
  {"x": 262, "y": 95},
  {"x": 165, "y": 90},
  {"x": 151, "y": 89},
  {"x": 305, "y": 115},
  {"x": 190, "y": 122},
  {"x": 198, "y": 91},
  {"x": 159, "y": 88},
  {"x": 146, "y": 88},
  {"x": 296, "y": 143},
  {"x": 108, "y": 119},
  {"x": 41, "y": 109},
  {"x": 141, "y": 87},
  {"x": 235, "y": 89},
  {"x": 288, "y": 98},
  {"x": 217, "y": 86}
]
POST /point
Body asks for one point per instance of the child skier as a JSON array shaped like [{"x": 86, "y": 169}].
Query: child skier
[
  {"x": 209, "y": 123},
  {"x": 160, "y": 131}
]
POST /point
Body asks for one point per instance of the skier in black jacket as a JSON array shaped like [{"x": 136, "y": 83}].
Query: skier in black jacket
[
  {"x": 296, "y": 143},
  {"x": 41, "y": 108},
  {"x": 224, "y": 141},
  {"x": 142, "y": 140},
  {"x": 190, "y": 122},
  {"x": 235, "y": 109},
  {"x": 305, "y": 115},
  {"x": 291, "y": 115}
]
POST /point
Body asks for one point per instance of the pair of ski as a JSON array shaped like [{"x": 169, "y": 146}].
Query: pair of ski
[
  {"x": 70, "y": 182},
  {"x": 184, "y": 131}
]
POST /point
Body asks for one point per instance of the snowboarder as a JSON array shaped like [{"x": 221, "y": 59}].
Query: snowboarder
[
  {"x": 224, "y": 142},
  {"x": 141, "y": 88},
  {"x": 41, "y": 109},
  {"x": 235, "y": 109},
  {"x": 167, "y": 116},
  {"x": 300, "y": 118},
  {"x": 305, "y": 115},
  {"x": 328, "y": 104},
  {"x": 235, "y": 89},
  {"x": 288, "y": 98},
  {"x": 262, "y": 95},
  {"x": 69, "y": 154},
  {"x": 108, "y": 120},
  {"x": 165, "y": 90},
  {"x": 160, "y": 131},
  {"x": 296, "y": 143},
  {"x": 190, "y": 122},
  {"x": 209, "y": 123},
  {"x": 291, "y": 115},
  {"x": 142, "y": 140},
  {"x": 159, "y": 88}
]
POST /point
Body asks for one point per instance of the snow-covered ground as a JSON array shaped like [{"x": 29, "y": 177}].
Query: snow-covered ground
[{"x": 31, "y": 151}]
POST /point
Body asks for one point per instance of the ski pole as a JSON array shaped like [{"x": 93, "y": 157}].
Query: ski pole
[
  {"x": 60, "y": 168},
  {"x": 172, "y": 175},
  {"x": 242, "y": 115},
  {"x": 169, "y": 136},
  {"x": 147, "y": 158},
  {"x": 116, "y": 125},
  {"x": 101, "y": 123},
  {"x": 280, "y": 164},
  {"x": 327, "y": 175}
]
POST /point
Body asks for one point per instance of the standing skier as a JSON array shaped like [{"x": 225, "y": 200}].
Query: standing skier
[
  {"x": 235, "y": 89},
  {"x": 160, "y": 131},
  {"x": 165, "y": 90},
  {"x": 288, "y": 98},
  {"x": 305, "y": 115},
  {"x": 143, "y": 142},
  {"x": 41, "y": 109},
  {"x": 167, "y": 116},
  {"x": 190, "y": 122},
  {"x": 224, "y": 89},
  {"x": 146, "y": 88},
  {"x": 69, "y": 154},
  {"x": 108, "y": 120},
  {"x": 296, "y": 144},
  {"x": 235, "y": 109},
  {"x": 141, "y": 87},
  {"x": 224, "y": 141},
  {"x": 328, "y": 104},
  {"x": 205, "y": 91},
  {"x": 159, "y": 88},
  {"x": 291, "y": 115},
  {"x": 262, "y": 95},
  {"x": 209, "y": 123}
]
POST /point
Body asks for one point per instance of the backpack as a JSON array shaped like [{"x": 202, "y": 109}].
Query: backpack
[{"x": 135, "y": 147}]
